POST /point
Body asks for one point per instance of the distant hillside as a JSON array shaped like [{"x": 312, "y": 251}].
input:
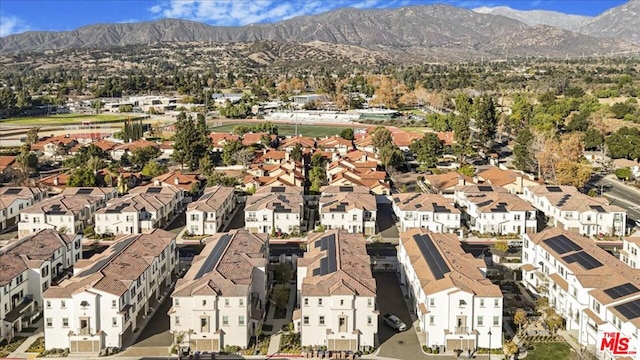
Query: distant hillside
[{"x": 441, "y": 30}]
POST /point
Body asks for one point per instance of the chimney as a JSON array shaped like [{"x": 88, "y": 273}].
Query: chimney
[
  {"x": 264, "y": 151},
  {"x": 335, "y": 156},
  {"x": 55, "y": 180},
  {"x": 156, "y": 182},
  {"x": 461, "y": 181},
  {"x": 176, "y": 181},
  {"x": 287, "y": 156}
]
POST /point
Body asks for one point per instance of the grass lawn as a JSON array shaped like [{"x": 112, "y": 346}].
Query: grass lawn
[
  {"x": 415, "y": 129},
  {"x": 290, "y": 129},
  {"x": 549, "y": 351},
  {"x": 63, "y": 119}
]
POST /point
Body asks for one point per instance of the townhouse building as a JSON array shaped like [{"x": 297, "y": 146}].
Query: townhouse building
[
  {"x": 220, "y": 301},
  {"x": 349, "y": 211},
  {"x": 457, "y": 306},
  {"x": 446, "y": 183},
  {"x": 13, "y": 200},
  {"x": 337, "y": 293},
  {"x": 630, "y": 250},
  {"x": 207, "y": 215},
  {"x": 494, "y": 210},
  {"x": 145, "y": 208},
  {"x": 111, "y": 294},
  {"x": 29, "y": 267},
  {"x": 268, "y": 212},
  {"x": 336, "y": 143},
  {"x": 70, "y": 212},
  {"x": 128, "y": 148},
  {"x": 571, "y": 210},
  {"x": 190, "y": 184},
  {"x": 513, "y": 181},
  {"x": 433, "y": 212},
  {"x": 592, "y": 290}
]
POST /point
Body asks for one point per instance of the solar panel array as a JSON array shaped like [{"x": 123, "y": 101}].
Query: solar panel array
[
  {"x": 621, "y": 291},
  {"x": 630, "y": 310},
  {"x": 117, "y": 249},
  {"x": 12, "y": 191},
  {"x": 278, "y": 189},
  {"x": 84, "y": 191},
  {"x": 214, "y": 256},
  {"x": 597, "y": 208},
  {"x": 585, "y": 260},
  {"x": 563, "y": 200},
  {"x": 554, "y": 189},
  {"x": 341, "y": 207},
  {"x": 440, "y": 209},
  {"x": 485, "y": 188},
  {"x": 346, "y": 188},
  {"x": 561, "y": 244},
  {"x": 432, "y": 256},
  {"x": 56, "y": 210},
  {"x": 501, "y": 207},
  {"x": 154, "y": 190},
  {"x": 118, "y": 209},
  {"x": 329, "y": 263}
]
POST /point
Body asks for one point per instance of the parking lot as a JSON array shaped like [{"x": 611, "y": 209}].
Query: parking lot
[{"x": 404, "y": 345}]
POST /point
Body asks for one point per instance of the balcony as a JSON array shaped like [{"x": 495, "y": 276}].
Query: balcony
[{"x": 461, "y": 330}]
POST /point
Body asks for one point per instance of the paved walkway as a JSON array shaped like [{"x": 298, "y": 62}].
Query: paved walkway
[
  {"x": 274, "y": 344},
  {"x": 565, "y": 335},
  {"x": 21, "y": 351}
]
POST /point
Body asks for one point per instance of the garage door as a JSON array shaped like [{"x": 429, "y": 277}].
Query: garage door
[
  {"x": 206, "y": 344},
  {"x": 453, "y": 344},
  {"x": 342, "y": 344},
  {"x": 85, "y": 346}
]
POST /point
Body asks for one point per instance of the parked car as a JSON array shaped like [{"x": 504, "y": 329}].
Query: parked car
[{"x": 394, "y": 322}]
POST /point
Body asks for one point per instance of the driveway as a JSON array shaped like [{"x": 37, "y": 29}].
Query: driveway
[
  {"x": 156, "y": 332},
  {"x": 404, "y": 345},
  {"x": 237, "y": 222},
  {"x": 386, "y": 225},
  {"x": 178, "y": 223}
]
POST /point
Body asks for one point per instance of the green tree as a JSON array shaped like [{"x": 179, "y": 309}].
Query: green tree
[
  {"x": 296, "y": 152},
  {"x": 624, "y": 144},
  {"x": 125, "y": 108},
  {"x": 27, "y": 160},
  {"x": 523, "y": 158},
  {"x": 142, "y": 156},
  {"x": 347, "y": 134},
  {"x": 428, "y": 149},
  {"x": 486, "y": 121},
  {"x": 82, "y": 177},
  {"x": 464, "y": 105},
  {"x": 83, "y": 155},
  {"x": 229, "y": 151},
  {"x": 97, "y": 105},
  {"x": 593, "y": 139},
  {"x": 317, "y": 160},
  {"x": 32, "y": 136},
  {"x": 7, "y": 99},
  {"x": 219, "y": 178},
  {"x": 467, "y": 170},
  {"x": 24, "y": 100},
  {"x": 153, "y": 169},
  {"x": 317, "y": 177},
  {"x": 191, "y": 141},
  {"x": 623, "y": 174},
  {"x": 381, "y": 136},
  {"x": 390, "y": 156},
  {"x": 206, "y": 165}
]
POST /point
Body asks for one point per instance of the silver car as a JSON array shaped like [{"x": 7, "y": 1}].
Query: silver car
[{"x": 394, "y": 322}]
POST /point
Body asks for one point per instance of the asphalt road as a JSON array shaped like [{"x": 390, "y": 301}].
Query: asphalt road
[{"x": 621, "y": 195}]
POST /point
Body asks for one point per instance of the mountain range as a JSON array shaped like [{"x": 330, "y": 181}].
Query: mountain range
[{"x": 441, "y": 31}]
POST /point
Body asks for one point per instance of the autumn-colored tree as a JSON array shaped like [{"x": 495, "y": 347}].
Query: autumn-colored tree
[
  {"x": 573, "y": 173},
  {"x": 385, "y": 94},
  {"x": 502, "y": 246},
  {"x": 520, "y": 318},
  {"x": 509, "y": 348}
]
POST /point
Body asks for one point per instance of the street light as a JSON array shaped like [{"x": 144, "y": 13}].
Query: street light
[{"x": 489, "y": 344}]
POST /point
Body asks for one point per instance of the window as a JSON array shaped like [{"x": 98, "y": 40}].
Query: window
[
  {"x": 225, "y": 320},
  {"x": 63, "y": 304},
  {"x": 496, "y": 320},
  {"x": 321, "y": 320},
  {"x": 341, "y": 302},
  {"x": 241, "y": 320},
  {"x": 480, "y": 320},
  {"x": 306, "y": 302},
  {"x": 65, "y": 322},
  {"x": 226, "y": 302},
  {"x": 432, "y": 302},
  {"x": 481, "y": 302},
  {"x": 176, "y": 302},
  {"x": 496, "y": 303},
  {"x": 462, "y": 302},
  {"x": 305, "y": 320},
  {"x": 369, "y": 320},
  {"x": 177, "y": 320},
  {"x": 320, "y": 302},
  {"x": 49, "y": 322},
  {"x": 204, "y": 302},
  {"x": 595, "y": 306},
  {"x": 48, "y": 304},
  {"x": 114, "y": 303},
  {"x": 204, "y": 324},
  {"x": 241, "y": 302},
  {"x": 369, "y": 302},
  {"x": 432, "y": 320}
]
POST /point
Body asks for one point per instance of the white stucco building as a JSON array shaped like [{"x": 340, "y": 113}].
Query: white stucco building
[
  {"x": 592, "y": 290},
  {"x": 207, "y": 215},
  {"x": 433, "y": 212},
  {"x": 143, "y": 209},
  {"x": 220, "y": 300},
  {"x": 571, "y": 210},
  {"x": 336, "y": 293},
  {"x": 267, "y": 211},
  {"x": 494, "y": 210},
  {"x": 111, "y": 294},
  {"x": 69, "y": 212},
  {"x": 13, "y": 200},
  {"x": 350, "y": 211},
  {"x": 29, "y": 266},
  {"x": 630, "y": 250},
  {"x": 456, "y": 304}
]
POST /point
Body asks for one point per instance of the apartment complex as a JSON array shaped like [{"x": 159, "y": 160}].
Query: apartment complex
[
  {"x": 630, "y": 250},
  {"x": 70, "y": 212},
  {"x": 111, "y": 294},
  {"x": 458, "y": 307},
  {"x": 29, "y": 266},
  {"x": 354, "y": 212},
  {"x": 207, "y": 215},
  {"x": 336, "y": 293},
  {"x": 268, "y": 212},
  {"x": 571, "y": 210},
  {"x": 592, "y": 290},
  {"x": 494, "y": 210},
  {"x": 220, "y": 300},
  {"x": 13, "y": 200},
  {"x": 433, "y": 212}
]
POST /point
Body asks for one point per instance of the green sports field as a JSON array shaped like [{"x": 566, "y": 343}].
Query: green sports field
[
  {"x": 63, "y": 119},
  {"x": 290, "y": 129}
]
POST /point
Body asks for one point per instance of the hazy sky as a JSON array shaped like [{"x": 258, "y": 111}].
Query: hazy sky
[{"x": 17, "y": 16}]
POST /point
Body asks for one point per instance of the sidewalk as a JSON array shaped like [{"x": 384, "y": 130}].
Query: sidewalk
[
  {"x": 565, "y": 335},
  {"x": 21, "y": 351}
]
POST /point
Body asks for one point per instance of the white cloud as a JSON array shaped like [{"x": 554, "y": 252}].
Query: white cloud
[
  {"x": 243, "y": 12},
  {"x": 10, "y": 24}
]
